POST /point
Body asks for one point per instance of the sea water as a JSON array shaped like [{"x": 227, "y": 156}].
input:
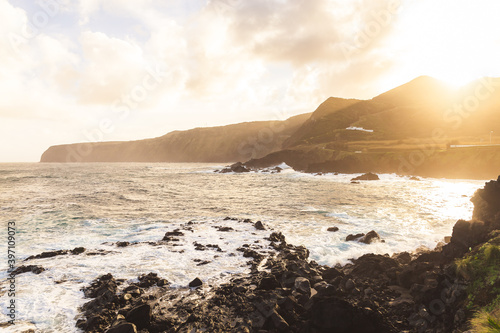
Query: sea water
[{"x": 63, "y": 206}]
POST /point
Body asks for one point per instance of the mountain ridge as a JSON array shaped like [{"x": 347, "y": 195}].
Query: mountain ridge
[{"x": 421, "y": 117}]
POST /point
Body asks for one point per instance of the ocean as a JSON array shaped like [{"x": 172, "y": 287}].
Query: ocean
[{"x": 63, "y": 206}]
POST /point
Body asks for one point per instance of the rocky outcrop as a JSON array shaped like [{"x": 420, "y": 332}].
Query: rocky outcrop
[
  {"x": 220, "y": 144},
  {"x": 237, "y": 167},
  {"x": 487, "y": 203},
  {"x": 35, "y": 269},
  {"x": 366, "y": 176}
]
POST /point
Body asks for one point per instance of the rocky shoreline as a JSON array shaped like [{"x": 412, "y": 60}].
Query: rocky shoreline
[
  {"x": 286, "y": 292},
  {"x": 429, "y": 291}
]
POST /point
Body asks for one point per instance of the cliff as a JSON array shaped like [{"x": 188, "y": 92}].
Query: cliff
[
  {"x": 212, "y": 144},
  {"x": 411, "y": 129}
]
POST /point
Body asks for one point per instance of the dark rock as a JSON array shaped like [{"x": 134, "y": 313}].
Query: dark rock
[
  {"x": 277, "y": 237},
  {"x": 237, "y": 167},
  {"x": 349, "y": 285},
  {"x": 353, "y": 237},
  {"x": 278, "y": 322},
  {"x": 151, "y": 279},
  {"x": 336, "y": 315},
  {"x": 268, "y": 283},
  {"x": 169, "y": 236},
  {"x": 487, "y": 202},
  {"x": 224, "y": 229},
  {"x": 402, "y": 258},
  {"x": 48, "y": 254},
  {"x": 123, "y": 328},
  {"x": 333, "y": 229},
  {"x": 277, "y": 169},
  {"x": 250, "y": 253},
  {"x": 366, "y": 176},
  {"x": 140, "y": 316},
  {"x": 331, "y": 273},
  {"x": 372, "y": 266},
  {"x": 259, "y": 226},
  {"x": 302, "y": 285},
  {"x": 122, "y": 244},
  {"x": 370, "y": 237},
  {"x": 78, "y": 250},
  {"x": 35, "y": 269},
  {"x": 195, "y": 283},
  {"x": 202, "y": 262},
  {"x": 413, "y": 273},
  {"x": 468, "y": 233}
]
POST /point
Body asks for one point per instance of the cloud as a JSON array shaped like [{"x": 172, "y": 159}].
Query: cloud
[
  {"x": 222, "y": 61},
  {"x": 304, "y": 32},
  {"x": 111, "y": 67}
]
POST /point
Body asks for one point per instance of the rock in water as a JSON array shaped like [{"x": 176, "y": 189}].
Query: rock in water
[
  {"x": 195, "y": 283},
  {"x": 333, "y": 229},
  {"x": 259, "y": 226},
  {"x": 370, "y": 237},
  {"x": 367, "y": 176},
  {"x": 237, "y": 167},
  {"x": 35, "y": 269},
  {"x": 353, "y": 237}
]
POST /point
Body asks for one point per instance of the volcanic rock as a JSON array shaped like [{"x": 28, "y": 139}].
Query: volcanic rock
[
  {"x": 195, "y": 283},
  {"x": 370, "y": 237},
  {"x": 366, "y": 176}
]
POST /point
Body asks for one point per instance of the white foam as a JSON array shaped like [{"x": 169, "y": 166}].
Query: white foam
[{"x": 51, "y": 299}]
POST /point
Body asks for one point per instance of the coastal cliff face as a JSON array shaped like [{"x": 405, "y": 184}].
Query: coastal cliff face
[{"x": 212, "y": 144}]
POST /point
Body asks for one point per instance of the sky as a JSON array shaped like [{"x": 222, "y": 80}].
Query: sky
[{"x": 107, "y": 70}]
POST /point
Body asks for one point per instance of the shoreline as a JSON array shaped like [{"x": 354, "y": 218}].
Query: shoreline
[
  {"x": 375, "y": 293},
  {"x": 286, "y": 292}
]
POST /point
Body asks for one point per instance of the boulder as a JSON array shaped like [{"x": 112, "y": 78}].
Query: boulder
[
  {"x": 140, "y": 316},
  {"x": 370, "y": 237},
  {"x": 335, "y": 315},
  {"x": 353, "y": 237},
  {"x": 151, "y": 279},
  {"x": 78, "y": 250},
  {"x": 302, "y": 285},
  {"x": 171, "y": 234},
  {"x": 333, "y": 229},
  {"x": 268, "y": 283},
  {"x": 35, "y": 269},
  {"x": 123, "y": 327},
  {"x": 331, "y": 273},
  {"x": 468, "y": 233},
  {"x": 366, "y": 176},
  {"x": 195, "y": 283},
  {"x": 487, "y": 204},
  {"x": 372, "y": 265},
  {"x": 259, "y": 226}
]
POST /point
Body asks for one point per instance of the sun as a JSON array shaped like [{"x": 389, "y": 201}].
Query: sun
[{"x": 454, "y": 41}]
